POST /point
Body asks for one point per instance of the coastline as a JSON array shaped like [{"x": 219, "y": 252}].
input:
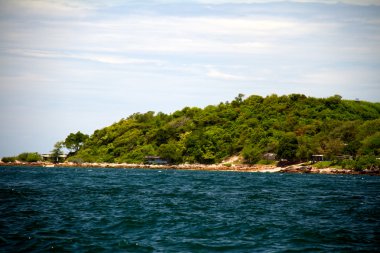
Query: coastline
[{"x": 309, "y": 169}]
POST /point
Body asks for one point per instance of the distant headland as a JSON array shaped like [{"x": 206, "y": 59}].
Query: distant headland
[{"x": 263, "y": 133}]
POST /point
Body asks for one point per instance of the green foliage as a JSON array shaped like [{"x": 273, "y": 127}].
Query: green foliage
[
  {"x": 24, "y": 157},
  {"x": 29, "y": 157},
  {"x": 294, "y": 127},
  {"x": 367, "y": 162},
  {"x": 57, "y": 152},
  {"x": 251, "y": 154},
  {"x": 8, "y": 159},
  {"x": 348, "y": 164},
  {"x": 323, "y": 164},
  {"x": 33, "y": 157},
  {"x": 288, "y": 147},
  {"x": 73, "y": 141},
  {"x": 266, "y": 162},
  {"x": 371, "y": 145},
  {"x": 170, "y": 152}
]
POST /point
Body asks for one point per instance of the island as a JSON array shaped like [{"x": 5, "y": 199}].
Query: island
[{"x": 289, "y": 133}]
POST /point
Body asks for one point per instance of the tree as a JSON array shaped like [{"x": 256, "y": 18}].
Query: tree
[
  {"x": 34, "y": 157},
  {"x": 57, "y": 151},
  {"x": 171, "y": 152},
  {"x": 371, "y": 145},
  {"x": 294, "y": 127},
  {"x": 22, "y": 157},
  {"x": 333, "y": 147},
  {"x": 74, "y": 142},
  {"x": 333, "y": 101},
  {"x": 352, "y": 148},
  {"x": 288, "y": 147},
  {"x": 238, "y": 100},
  {"x": 251, "y": 154}
]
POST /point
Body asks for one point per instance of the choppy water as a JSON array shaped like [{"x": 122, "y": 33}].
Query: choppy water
[{"x": 126, "y": 210}]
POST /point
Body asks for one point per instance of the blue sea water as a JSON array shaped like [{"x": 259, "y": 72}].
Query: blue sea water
[{"x": 135, "y": 210}]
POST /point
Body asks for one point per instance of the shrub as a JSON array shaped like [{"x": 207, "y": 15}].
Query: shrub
[
  {"x": 22, "y": 157},
  {"x": 251, "y": 154},
  {"x": 324, "y": 164},
  {"x": 33, "y": 157},
  {"x": 29, "y": 157},
  {"x": 266, "y": 162},
  {"x": 9, "y": 159},
  {"x": 367, "y": 163},
  {"x": 348, "y": 164}
]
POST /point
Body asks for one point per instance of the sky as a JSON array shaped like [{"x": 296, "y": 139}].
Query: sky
[{"x": 68, "y": 66}]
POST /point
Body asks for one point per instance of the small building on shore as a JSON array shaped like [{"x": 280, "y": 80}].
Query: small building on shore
[
  {"x": 48, "y": 157},
  {"x": 317, "y": 158},
  {"x": 270, "y": 156},
  {"x": 343, "y": 157},
  {"x": 155, "y": 160}
]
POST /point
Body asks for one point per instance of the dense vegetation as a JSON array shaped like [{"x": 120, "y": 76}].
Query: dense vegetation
[
  {"x": 23, "y": 157},
  {"x": 73, "y": 142},
  {"x": 294, "y": 127}
]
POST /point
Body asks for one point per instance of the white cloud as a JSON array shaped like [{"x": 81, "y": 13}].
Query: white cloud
[
  {"x": 50, "y": 50},
  {"x": 153, "y": 33},
  {"x": 172, "y": 34},
  {"x": 224, "y": 76},
  {"x": 343, "y": 79},
  {"x": 44, "y": 8},
  {"x": 102, "y": 58}
]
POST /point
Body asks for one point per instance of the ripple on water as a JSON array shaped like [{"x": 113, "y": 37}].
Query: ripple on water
[{"x": 68, "y": 209}]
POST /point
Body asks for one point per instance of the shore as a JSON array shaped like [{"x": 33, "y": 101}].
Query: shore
[{"x": 298, "y": 168}]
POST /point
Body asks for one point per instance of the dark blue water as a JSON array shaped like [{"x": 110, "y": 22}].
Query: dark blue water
[{"x": 126, "y": 210}]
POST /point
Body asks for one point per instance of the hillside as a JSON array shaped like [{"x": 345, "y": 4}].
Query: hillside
[{"x": 294, "y": 127}]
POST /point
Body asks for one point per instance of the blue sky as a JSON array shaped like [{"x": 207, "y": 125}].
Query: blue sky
[{"x": 68, "y": 66}]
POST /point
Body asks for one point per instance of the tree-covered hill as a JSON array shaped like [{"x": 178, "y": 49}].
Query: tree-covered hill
[{"x": 294, "y": 127}]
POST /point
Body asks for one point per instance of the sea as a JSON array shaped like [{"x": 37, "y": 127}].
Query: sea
[{"x": 146, "y": 210}]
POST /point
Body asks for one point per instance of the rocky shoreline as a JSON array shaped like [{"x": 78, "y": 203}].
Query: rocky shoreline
[{"x": 214, "y": 167}]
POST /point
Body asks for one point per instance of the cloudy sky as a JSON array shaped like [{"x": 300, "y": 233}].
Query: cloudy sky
[{"x": 70, "y": 65}]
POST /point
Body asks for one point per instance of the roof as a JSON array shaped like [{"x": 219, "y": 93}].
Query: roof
[{"x": 152, "y": 157}]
